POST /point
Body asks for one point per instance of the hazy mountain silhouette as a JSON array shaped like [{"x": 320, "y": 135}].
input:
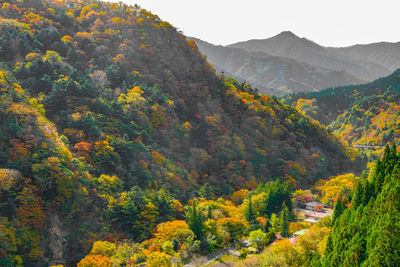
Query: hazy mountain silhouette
[
  {"x": 384, "y": 53},
  {"x": 289, "y": 45},
  {"x": 272, "y": 74}
]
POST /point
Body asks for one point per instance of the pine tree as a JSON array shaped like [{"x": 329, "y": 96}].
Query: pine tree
[
  {"x": 206, "y": 191},
  {"x": 358, "y": 195},
  {"x": 339, "y": 208},
  {"x": 249, "y": 213},
  {"x": 287, "y": 193},
  {"x": 274, "y": 223},
  {"x": 175, "y": 244},
  {"x": 284, "y": 221},
  {"x": 315, "y": 260},
  {"x": 195, "y": 221},
  {"x": 384, "y": 242},
  {"x": 368, "y": 192},
  {"x": 368, "y": 234}
]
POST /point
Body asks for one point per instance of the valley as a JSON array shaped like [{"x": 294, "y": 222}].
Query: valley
[{"x": 123, "y": 142}]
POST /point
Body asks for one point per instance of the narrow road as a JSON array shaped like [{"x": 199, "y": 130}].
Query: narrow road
[
  {"x": 366, "y": 146},
  {"x": 208, "y": 258},
  {"x": 315, "y": 212},
  {"x": 212, "y": 256}
]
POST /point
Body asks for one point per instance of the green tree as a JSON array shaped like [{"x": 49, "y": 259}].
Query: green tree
[
  {"x": 358, "y": 195},
  {"x": 248, "y": 212},
  {"x": 384, "y": 242},
  {"x": 195, "y": 220},
  {"x": 206, "y": 191},
  {"x": 258, "y": 238},
  {"x": 284, "y": 221},
  {"x": 339, "y": 208},
  {"x": 274, "y": 223}
]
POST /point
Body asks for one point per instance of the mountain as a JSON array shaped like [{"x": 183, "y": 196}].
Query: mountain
[
  {"x": 362, "y": 114},
  {"x": 272, "y": 74},
  {"x": 289, "y": 45},
  {"x": 384, "y": 53},
  {"x": 110, "y": 119}
]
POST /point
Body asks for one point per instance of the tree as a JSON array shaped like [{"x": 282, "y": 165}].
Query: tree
[
  {"x": 125, "y": 252},
  {"x": 283, "y": 253},
  {"x": 384, "y": 243},
  {"x": 358, "y": 194},
  {"x": 335, "y": 185},
  {"x": 177, "y": 230},
  {"x": 52, "y": 57},
  {"x": 195, "y": 220},
  {"x": 231, "y": 228},
  {"x": 339, "y": 208},
  {"x": 258, "y": 238},
  {"x": 103, "y": 248},
  {"x": 206, "y": 191},
  {"x": 95, "y": 261},
  {"x": 175, "y": 244},
  {"x": 249, "y": 213},
  {"x": 284, "y": 221},
  {"x": 238, "y": 196},
  {"x": 274, "y": 223},
  {"x": 109, "y": 185}
]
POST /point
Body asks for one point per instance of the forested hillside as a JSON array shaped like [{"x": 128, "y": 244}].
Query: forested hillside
[
  {"x": 110, "y": 119},
  {"x": 362, "y": 114},
  {"x": 372, "y": 220}
]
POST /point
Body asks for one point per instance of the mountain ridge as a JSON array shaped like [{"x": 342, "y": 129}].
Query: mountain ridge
[
  {"x": 386, "y": 54},
  {"x": 290, "y": 45},
  {"x": 272, "y": 74}
]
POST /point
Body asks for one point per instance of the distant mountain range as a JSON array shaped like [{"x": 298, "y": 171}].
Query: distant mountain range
[
  {"x": 385, "y": 54},
  {"x": 287, "y": 63},
  {"x": 273, "y": 75}
]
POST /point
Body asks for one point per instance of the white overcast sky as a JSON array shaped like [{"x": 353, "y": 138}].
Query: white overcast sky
[{"x": 327, "y": 22}]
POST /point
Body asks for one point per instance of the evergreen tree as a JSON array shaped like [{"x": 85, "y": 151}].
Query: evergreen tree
[
  {"x": 206, "y": 191},
  {"x": 175, "y": 244},
  {"x": 315, "y": 260},
  {"x": 195, "y": 221},
  {"x": 368, "y": 234},
  {"x": 339, "y": 208},
  {"x": 368, "y": 192},
  {"x": 274, "y": 223},
  {"x": 384, "y": 242},
  {"x": 284, "y": 221},
  {"x": 249, "y": 213},
  {"x": 357, "y": 195}
]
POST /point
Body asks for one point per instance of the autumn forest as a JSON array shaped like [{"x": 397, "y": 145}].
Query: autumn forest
[{"x": 122, "y": 145}]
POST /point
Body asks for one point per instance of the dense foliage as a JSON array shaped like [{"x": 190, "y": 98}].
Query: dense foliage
[
  {"x": 364, "y": 229},
  {"x": 209, "y": 225},
  {"x": 373, "y": 218},
  {"x": 110, "y": 119},
  {"x": 363, "y": 114}
]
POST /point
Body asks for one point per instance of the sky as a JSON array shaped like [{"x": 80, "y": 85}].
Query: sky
[{"x": 328, "y": 22}]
